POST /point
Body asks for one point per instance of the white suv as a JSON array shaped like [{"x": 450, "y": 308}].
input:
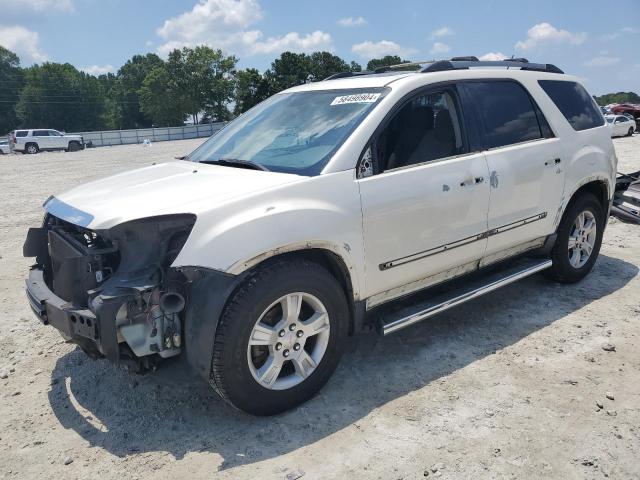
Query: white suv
[
  {"x": 322, "y": 212},
  {"x": 34, "y": 141}
]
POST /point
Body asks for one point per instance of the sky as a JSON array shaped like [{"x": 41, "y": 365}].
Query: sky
[{"x": 587, "y": 38}]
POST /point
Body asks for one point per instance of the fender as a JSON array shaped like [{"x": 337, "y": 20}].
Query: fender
[{"x": 322, "y": 212}]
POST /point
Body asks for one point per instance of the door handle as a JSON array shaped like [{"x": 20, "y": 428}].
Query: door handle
[
  {"x": 471, "y": 181},
  {"x": 555, "y": 161}
]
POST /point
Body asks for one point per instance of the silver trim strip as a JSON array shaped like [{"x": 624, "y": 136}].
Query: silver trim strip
[
  {"x": 460, "y": 243},
  {"x": 465, "y": 297}
]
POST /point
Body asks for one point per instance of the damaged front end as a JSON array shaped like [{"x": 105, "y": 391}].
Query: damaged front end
[{"x": 112, "y": 292}]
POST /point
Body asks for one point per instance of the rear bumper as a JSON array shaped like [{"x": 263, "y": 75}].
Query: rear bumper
[{"x": 94, "y": 332}]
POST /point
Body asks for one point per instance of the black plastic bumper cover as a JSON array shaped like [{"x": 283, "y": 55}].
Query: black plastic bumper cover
[{"x": 92, "y": 331}]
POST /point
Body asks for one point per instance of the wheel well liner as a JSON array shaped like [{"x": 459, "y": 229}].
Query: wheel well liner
[{"x": 598, "y": 188}]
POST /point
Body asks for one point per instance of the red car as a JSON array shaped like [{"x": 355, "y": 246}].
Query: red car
[{"x": 629, "y": 109}]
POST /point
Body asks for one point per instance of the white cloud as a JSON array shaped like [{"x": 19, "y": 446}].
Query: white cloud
[
  {"x": 23, "y": 42},
  {"x": 98, "y": 69},
  {"x": 370, "y": 49},
  {"x": 352, "y": 22},
  {"x": 440, "y": 47},
  {"x": 226, "y": 24},
  {"x": 602, "y": 61},
  {"x": 492, "y": 57},
  {"x": 545, "y": 33},
  {"x": 612, "y": 36},
  {"x": 442, "y": 32},
  {"x": 629, "y": 30},
  {"x": 38, "y": 5}
]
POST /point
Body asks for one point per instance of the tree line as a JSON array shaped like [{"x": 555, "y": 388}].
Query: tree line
[{"x": 201, "y": 84}]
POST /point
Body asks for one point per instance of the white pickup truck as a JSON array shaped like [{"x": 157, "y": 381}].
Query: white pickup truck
[
  {"x": 369, "y": 201},
  {"x": 34, "y": 141}
]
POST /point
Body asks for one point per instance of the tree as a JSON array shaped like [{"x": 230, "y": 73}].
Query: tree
[
  {"x": 251, "y": 89},
  {"x": 620, "y": 97},
  {"x": 11, "y": 82},
  {"x": 59, "y": 96},
  {"x": 325, "y": 64},
  {"x": 385, "y": 62},
  {"x": 160, "y": 98},
  {"x": 289, "y": 70},
  {"x": 123, "y": 106}
]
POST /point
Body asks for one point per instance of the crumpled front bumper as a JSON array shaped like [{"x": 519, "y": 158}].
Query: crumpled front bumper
[{"x": 94, "y": 331}]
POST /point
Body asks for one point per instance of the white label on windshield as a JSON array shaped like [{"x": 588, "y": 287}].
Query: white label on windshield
[{"x": 357, "y": 98}]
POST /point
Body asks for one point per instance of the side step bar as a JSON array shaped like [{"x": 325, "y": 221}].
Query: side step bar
[{"x": 456, "y": 296}]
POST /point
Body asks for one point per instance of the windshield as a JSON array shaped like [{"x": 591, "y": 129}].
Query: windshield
[{"x": 291, "y": 132}]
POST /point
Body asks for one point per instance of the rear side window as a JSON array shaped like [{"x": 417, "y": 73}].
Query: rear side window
[
  {"x": 507, "y": 112},
  {"x": 41, "y": 133},
  {"x": 574, "y": 102},
  {"x": 21, "y": 133}
]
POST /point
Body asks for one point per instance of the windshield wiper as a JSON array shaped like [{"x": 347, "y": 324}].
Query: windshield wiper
[{"x": 234, "y": 162}]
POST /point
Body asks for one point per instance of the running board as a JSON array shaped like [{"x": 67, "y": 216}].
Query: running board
[{"x": 461, "y": 294}]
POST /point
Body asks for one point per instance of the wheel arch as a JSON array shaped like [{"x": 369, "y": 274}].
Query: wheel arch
[
  {"x": 598, "y": 187},
  {"x": 333, "y": 262}
]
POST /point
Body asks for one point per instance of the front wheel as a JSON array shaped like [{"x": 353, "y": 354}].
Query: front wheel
[
  {"x": 630, "y": 132},
  {"x": 280, "y": 337},
  {"x": 579, "y": 239}
]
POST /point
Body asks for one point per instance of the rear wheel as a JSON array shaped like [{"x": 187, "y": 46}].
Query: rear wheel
[
  {"x": 32, "y": 148},
  {"x": 579, "y": 239},
  {"x": 280, "y": 337}
]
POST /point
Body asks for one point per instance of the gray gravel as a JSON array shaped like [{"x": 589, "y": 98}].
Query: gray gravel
[{"x": 513, "y": 385}]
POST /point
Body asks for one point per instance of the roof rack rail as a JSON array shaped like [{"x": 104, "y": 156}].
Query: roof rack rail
[
  {"x": 521, "y": 63},
  {"x": 348, "y": 74}
]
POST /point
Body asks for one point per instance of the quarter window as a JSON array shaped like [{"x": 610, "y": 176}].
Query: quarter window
[
  {"x": 507, "y": 112},
  {"x": 21, "y": 133},
  {"x": 574, "y": 102},
  {"x": 425, "y": 128}
]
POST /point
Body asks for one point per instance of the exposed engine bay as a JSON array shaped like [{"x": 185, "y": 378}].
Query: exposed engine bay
[{"x": 112, "y": 292}]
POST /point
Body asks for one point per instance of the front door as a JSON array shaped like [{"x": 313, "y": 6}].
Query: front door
[
  {"x": 42, "y": 138},
  {"x": 425, "y": 207},
  {"x": 525, "y": 162}
]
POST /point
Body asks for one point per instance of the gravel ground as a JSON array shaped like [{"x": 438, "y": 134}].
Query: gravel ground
[{"x": 537, "y": 380}]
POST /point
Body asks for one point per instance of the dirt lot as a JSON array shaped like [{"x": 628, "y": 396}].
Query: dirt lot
[{"x": 505, "y": 387}]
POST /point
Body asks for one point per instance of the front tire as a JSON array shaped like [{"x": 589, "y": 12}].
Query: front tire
[
  {"x": 279, "y": 338},
  {"x": 630, "y": 132},
  {"x": 579, "y": 240}
]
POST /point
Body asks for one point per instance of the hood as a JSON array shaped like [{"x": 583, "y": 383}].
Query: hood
[{"x": 168, "y": 188}]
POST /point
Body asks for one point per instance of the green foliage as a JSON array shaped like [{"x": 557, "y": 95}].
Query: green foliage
[
  {"x": 620, "y": 97},
  {"x": 149, "y": 91},
  {"x": 251, "y": 89},
  {"x": 58, "y": 96},
  {"x": 385, "y": 62},
  {"x": 11, "y": 82}
]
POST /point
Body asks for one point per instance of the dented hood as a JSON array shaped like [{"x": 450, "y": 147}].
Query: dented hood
[{"x": 168, "y": 188}]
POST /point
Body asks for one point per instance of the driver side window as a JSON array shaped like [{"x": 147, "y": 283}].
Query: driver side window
[{"x": 425, "y": 128}]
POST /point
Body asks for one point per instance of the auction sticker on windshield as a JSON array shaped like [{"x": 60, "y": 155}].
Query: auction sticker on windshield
[{"x": 357, "y": 98}]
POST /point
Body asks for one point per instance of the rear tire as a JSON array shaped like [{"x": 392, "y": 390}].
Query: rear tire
[
  {"x": 31, "y": 148},
  {"x": 578, "y": 241},
  {"x": 256, "y": 335}
]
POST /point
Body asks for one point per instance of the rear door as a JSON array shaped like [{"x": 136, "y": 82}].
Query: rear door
[
  {"x": 425, "y": 206},
  {"x": 524, "y": 160},
  {"x": 41, "y": 137}
]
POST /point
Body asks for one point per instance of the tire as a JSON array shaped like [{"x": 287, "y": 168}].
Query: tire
[
  {"x": 31, "y": 148},
  {"x": 574, "y": 269},
  {"x": 73, "y": 147},
  {"x": 630, "y": 132},
  {"x": 235, "y": 366}
]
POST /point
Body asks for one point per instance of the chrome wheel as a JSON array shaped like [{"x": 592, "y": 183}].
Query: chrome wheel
[
  {"x": 582, "y": 239},
  {"x": 288, "y": 341}
]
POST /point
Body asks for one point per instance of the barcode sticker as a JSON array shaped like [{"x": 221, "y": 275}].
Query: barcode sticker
[{"x": 357, "y": 98}]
